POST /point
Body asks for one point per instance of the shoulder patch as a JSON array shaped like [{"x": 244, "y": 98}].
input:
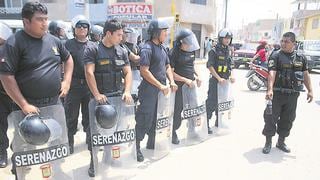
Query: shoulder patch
[
  {"x": 271, "y": 63},
  {"x": 55, "y": 51}
]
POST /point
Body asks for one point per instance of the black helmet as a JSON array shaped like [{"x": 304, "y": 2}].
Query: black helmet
[
  {"x": 186, "y": 36},
  {"x": 96, "y": 30},
  {"x": 131, "y": 35},
  {"x": 33, "y": 130},
  {"x": 55, "y": 26},
  {"x": 155, "y": 26},
  {"x": 223, "y": 33},
  {"x": 129, "y": 30},
  {"x": 183, "y": 33},
  {"x": 106, "y": 115}
]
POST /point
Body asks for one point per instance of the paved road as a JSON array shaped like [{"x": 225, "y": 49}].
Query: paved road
[{"x": 236, "y": 155}]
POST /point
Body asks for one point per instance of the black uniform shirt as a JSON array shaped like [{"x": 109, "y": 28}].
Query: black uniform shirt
[
  {"x": 279, "y": 59},
  {"x": 182, "y": 62},
  {"x": 99, "y": 51},
  {"x": 35, "y": 63},
  {"x": 156, "y": 57},
  {"x": 132, "y": 48},
  {"x": 77, "y": 49},
  {"x": 216, "y": 53}
]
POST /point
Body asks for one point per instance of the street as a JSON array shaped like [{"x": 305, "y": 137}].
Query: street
[{"x": 232, "y": 156}]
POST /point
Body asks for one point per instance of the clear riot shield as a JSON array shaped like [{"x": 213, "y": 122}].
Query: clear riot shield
[
  {"x": 136, "y": 80},
  {"x": 114, "y": 148},
  {"x": 46, "y": 161},
  {"x": 163, "y": 125},
  {"x": 193, "y": 128},
  {"x": 225, "y": 105}
]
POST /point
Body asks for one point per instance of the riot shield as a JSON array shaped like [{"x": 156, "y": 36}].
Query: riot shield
[
  {"x": 113, "y": 148},
  {"x": 163, "y": 125},
  {"x": 225, "y": 105},
  {"x": 136, "y": 80},
  {"x": 193, "y": 128},
  {"x": 47, "y": 160}
]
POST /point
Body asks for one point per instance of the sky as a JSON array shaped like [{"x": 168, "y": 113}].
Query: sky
[{"x": 242, "y": 12}]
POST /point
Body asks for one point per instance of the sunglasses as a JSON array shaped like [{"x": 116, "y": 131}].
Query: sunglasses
[{"x": 82, "y": 25}]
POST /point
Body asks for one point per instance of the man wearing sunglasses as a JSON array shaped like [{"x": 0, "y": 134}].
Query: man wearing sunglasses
[{"x": 79, "y": 93}]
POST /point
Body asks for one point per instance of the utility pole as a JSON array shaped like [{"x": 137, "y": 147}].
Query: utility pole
[
  {"x": 172, "y": 30},
  {"x": 225, "y": 13},
  {"x": 86, "y": 9}
]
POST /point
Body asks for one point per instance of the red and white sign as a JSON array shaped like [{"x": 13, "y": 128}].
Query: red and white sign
[{"x": 141, "y": 9}]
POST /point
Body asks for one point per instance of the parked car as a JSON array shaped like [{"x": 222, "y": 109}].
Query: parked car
[
  {"x": 311, "y": 49},
  {"x": 244, "y": 54}
]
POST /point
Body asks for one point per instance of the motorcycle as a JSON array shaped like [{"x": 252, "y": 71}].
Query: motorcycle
[{"x": 257, "y": 77}]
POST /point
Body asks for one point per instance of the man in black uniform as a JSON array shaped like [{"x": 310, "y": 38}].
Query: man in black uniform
[
  {"x": 5, "y": 103},
  {"x": 30, "y": 71},
  {"x": 105, "y": 64},
  {"x": 129, "y": 42},
  {"x": 182, "y": 57},
  {"x": 287, "y": 73},
  {"x": 79, "y": 93},
  {"x": 96, "y": 33},
  {"x": 154, "y": 66},
  {"x": 57, "y": 28},
  {"x": 219, "y": 65}
]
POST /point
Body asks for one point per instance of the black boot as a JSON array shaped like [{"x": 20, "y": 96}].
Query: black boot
[
  {"x": 91, "y": 169},
  {"x": 282, "y": 146},
  {"x": 267, "y": 147},
  {"x": 210, "y": 131},
  {"x": 71, "y": 144},
  {"x": 216, "y": 123},
  {"x": 140, "y": 157},
  {"x": 3, "y": 159},
  {"x": 150, "y": 142},
  {"x": 175, "y": 139}
]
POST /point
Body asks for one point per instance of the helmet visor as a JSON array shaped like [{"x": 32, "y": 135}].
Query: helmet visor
[
  {"x": 5, "y": 31},
  {"x": 132, "y": 38},
  {"x": 190, "y": 43},
  {"x": 225, "y": 33}
]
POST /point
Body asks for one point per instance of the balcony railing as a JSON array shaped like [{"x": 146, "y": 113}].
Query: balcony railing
[{"x": 15, "y": 10}]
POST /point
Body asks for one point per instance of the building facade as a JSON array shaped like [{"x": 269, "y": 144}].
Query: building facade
[
  {"x": 197, "y": 15},
  {"x": 131, "y": 11}
]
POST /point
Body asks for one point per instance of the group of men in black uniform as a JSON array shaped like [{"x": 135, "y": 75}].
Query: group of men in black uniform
[{"x": 32, "y": 61}]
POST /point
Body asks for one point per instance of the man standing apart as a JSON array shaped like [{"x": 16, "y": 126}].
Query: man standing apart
[{"x": 287, "y": 73}]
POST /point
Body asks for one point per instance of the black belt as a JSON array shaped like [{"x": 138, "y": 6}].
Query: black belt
[
  {"x": 46, "y": 101},
  {"x": 286, "y": 90},
  {"x": 113, "y": 94}
]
